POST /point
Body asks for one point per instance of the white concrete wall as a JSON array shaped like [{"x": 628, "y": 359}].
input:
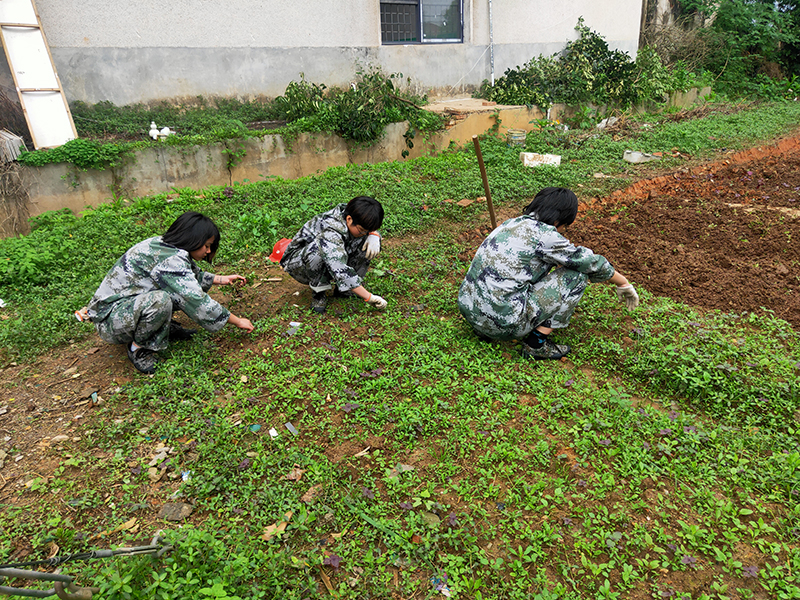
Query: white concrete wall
[{"x": 144, "y": 50}]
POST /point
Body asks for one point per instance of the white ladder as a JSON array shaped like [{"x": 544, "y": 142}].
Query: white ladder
[{"x": 40, "y": 94}]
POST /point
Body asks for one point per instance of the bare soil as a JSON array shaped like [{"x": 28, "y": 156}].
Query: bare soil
[{"x": 719, "y": 236}]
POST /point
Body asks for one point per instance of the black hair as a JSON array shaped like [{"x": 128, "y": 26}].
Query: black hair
[
  {"x": 190, "y": 231},
  {"x": 366, "y": 212},
  {"x": 554, "y": 205}
]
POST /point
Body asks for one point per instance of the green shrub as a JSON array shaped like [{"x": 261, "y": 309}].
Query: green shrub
[{"x": 588, "y": 71}]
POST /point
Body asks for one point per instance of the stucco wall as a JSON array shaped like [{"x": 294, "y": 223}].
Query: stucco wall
[{"x": 142, "y": 50}]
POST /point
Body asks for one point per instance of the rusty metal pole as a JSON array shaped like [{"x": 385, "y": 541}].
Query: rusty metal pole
[{"x": 485, "y": 180}]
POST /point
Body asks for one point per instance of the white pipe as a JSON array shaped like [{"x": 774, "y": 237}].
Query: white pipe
[{"x": 491, "y": 40}]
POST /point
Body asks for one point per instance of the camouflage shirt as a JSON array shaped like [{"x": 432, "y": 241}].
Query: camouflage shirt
[
  {"x": 497, "y": 296},
  {"x": 325, "y": 237},
  {"x": 154, "y": 265}
]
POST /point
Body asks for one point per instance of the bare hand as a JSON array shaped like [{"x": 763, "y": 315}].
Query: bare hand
[
  {"x": 231, "y": 279},
  {"x": 241, "y": 323}
]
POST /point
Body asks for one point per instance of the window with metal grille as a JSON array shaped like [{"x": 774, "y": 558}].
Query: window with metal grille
[{"x": 421, "y": 21}]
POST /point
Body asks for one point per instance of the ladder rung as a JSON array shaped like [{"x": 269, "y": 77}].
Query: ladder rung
[
  {"x": 40, "y": 90},
  {"x": 31, "y": 25}
]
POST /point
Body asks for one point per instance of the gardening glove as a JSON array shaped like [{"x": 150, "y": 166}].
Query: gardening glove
[
  {"x": 628, "y": 295},
  {"x": 377, "y": 302},
  {"x": 372, "y": 245}
]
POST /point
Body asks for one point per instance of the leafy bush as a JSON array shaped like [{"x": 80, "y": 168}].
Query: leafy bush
[
  {"x": 588, "y": 71},
  {"x": 360, "y": 113},
  {"x": 85, "y": 154}
]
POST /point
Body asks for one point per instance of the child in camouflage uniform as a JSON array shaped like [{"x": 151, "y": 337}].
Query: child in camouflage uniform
[
  {"x": 336, "y": 247},
  {"x": 135, "y": 301},
  {"x": 526, "y": 278}
]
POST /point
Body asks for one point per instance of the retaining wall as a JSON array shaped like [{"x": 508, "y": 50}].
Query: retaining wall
[{"x": 158, "y": 170}]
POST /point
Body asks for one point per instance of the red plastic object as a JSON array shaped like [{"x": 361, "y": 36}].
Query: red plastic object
[{"x": 278, "y": 250}]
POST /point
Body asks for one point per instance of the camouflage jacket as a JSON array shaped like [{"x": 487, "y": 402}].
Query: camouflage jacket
[
  {"x": 326, "y": 235},
  {"x": 496, "y": 296},
  {"x": 154, "y": 265}
]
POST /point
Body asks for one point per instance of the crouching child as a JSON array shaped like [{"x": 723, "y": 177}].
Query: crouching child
[
  {"x": 527, "y": 278},
  {"x": 135, "y": 301},
  {"x": 335, "y": 249}
]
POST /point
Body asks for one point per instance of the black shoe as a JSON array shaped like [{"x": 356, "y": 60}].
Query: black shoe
[
  {"x": 179, "y": 332},
  {"x": 548, "y": 350},
  {"x": 319, "y": 302},
  {"x": 143, "y": 359}
]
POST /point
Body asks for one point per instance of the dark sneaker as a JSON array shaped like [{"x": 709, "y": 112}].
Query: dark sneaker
[
  {"x": 319, "y": 302},
  {"x": 179, "y": 332},
  {"x": 548, "y": 350},
  {"x": 143, "y": 359}
]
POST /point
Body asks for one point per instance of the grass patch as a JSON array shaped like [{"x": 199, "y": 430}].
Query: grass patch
[{"x": 631, "y": 471}]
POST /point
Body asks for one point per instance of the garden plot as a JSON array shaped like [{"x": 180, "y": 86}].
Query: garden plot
[{"x": 460, "y": 450}]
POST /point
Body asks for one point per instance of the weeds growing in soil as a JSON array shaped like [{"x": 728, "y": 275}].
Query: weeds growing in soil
[{"x": 660, "y": 461}]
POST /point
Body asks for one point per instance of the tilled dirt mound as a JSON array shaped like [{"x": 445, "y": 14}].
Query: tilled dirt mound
[{"x": 723, "y": 236}]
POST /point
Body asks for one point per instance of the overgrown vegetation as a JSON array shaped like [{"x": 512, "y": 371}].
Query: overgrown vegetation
[
  {"x": 749, "y": 49},
  {"x": 359, "y": 113},
  {"x": 743, "y": 49},
  {"x": 38, "y": 275},
  {"x": 436, "y": 461},
  {"x": 587, "y": 71}
]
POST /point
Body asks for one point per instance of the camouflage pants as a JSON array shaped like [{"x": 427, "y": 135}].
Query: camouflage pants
[
  {"x": 550, "y": 303},
  {"x": 143, "y": 319},
  {"x": 308, "y": 267},
  {"x": 557, "y": 295}
]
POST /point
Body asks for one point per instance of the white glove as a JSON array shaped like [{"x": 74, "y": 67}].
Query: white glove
[
  {"x": 377, "y": 302},
  {"x": 372, "y": 245},
  {"x": 628, "y": 295}
]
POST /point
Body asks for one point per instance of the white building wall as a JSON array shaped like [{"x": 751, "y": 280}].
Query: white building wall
[{"x": 145, "y": 50}]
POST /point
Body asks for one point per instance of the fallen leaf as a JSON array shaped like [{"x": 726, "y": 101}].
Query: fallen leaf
[
  {"x": 312, "y": 494},
  {"x": 52, "y": 550},
  {"x": 465, "y": 202},
  {"x": 277, "y": 527},
  {"x": 326, "y": 580},
  {"x": 126, "y": 526},
  {"x": 415, "y": 539},
  {"x": 295, "y": 474}
]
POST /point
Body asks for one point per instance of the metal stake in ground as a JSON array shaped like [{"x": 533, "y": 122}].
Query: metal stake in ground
[{"x": 485, "y": 181}]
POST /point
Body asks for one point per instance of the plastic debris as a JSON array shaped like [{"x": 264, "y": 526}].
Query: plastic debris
[
  {"x": 533, "y": 159},
  {"x": 279, "y": 249},
  {"x": 607, "y": 122},
  {"x": 273, "y": 432},
  {"x": 291, "y": 429},
  {"x": 397, "y": 470},
  {"x": 294, "y": 327},
  {"x": 633, "y": 156}
]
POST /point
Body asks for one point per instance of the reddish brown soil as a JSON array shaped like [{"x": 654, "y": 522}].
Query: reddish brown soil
[{"x": 724, "y": 235}]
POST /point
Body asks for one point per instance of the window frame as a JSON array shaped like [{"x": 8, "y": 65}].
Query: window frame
[{"x": 420, "y": 25}]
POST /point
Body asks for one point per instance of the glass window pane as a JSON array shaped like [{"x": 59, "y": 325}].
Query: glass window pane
[
  {"x": 399, "y": 22},
  {"x": 441, "y": 20}
]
